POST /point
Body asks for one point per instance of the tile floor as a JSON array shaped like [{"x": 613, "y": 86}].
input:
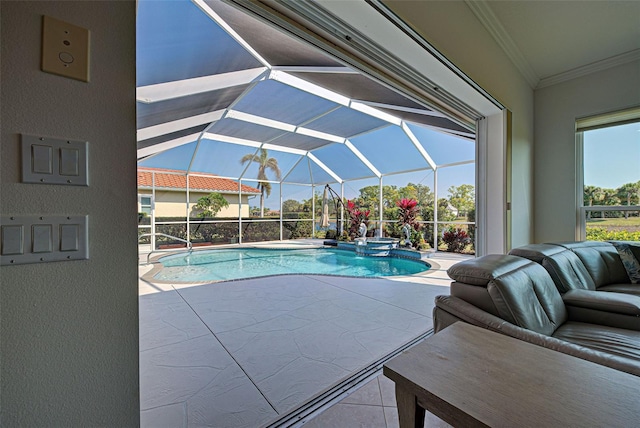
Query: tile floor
[
  {"x": 244, "y": 353},
  {"x": 371, "y": 406}
]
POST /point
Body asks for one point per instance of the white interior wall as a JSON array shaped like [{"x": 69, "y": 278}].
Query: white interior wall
[
  {"x": 69, "y": 330},
  {"x": 452, "y": 28},
  {"x": 556, "y": 110}
]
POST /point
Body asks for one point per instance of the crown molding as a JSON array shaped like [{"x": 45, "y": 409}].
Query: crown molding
[
  {"x": 490, "y": 21},
  {"x": 594, "y": 67}
]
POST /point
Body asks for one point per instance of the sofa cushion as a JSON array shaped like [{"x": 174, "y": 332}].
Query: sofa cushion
[
  {"x": 564, "y": 266},
  {"x": 474, "y": 294},
  {"x": 601, "y": 260},
  {"x": 537, "y": 252},
  {"x": 626, "y": 288},
  {"x": 568, "y": 271},
  {"x": 629, "y": 255},
  {"x": 481, "y": 270},
  {"x": 611, "y": 340},
  {"x": 528, "y": 298},
  {"x": 606, "y": 302}
]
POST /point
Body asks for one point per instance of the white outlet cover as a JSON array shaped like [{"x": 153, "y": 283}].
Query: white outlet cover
[{"x": 65, "y": 49}]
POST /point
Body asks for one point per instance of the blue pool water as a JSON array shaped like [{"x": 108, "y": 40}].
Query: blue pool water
[{"x": 222, "y": 265}]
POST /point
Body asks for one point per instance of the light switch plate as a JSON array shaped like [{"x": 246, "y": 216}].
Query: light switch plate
[
  {"x": 65, "y": 49},
  {"x": 46, "y": 238},
  {"x": 54, "y": 161}
]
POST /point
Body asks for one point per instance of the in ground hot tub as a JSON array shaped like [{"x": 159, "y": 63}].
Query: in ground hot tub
[{"x": 380, "y": 247}]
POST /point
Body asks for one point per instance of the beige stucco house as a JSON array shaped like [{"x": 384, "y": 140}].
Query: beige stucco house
[{"x": 162, "y": 192}]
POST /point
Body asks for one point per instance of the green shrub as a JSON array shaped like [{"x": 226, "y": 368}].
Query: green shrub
[
  {"x": 331, "y": 234},
  {"x": 604, "y": 234},
  {"x": 456, "y": 239}
]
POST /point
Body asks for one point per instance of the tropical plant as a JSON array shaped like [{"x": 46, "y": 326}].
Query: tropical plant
[
  {"x": 408, "y": 215},
  {"x": 264, "y": 162},
  {"x": 211, "y": 204},
  {"x": 408, "y": 212},
  {"x": 591, "y": 194},
  {"x": 356, "y": 216},
  {"x": 418, "y": 241},
  {"x": 456, "y": 239}
]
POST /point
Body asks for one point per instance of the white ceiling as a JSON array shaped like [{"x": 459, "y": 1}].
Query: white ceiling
[{"x": 551, "y": 41}]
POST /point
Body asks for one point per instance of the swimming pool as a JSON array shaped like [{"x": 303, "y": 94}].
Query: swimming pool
[{"x": 240, "y": 263}]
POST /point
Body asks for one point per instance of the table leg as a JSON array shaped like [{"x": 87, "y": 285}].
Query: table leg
[{"x": 410, "y": 414}]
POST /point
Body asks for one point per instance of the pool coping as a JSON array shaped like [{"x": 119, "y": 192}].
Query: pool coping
[{"x": 157, "y": 266}]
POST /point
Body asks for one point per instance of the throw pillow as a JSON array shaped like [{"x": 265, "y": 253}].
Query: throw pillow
[{"x": 630, "y": 255}]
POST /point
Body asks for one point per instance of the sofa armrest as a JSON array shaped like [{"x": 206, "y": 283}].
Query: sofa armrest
[
  {"x": 466, "y": 312},
  {"x": 604, "y": 308}
]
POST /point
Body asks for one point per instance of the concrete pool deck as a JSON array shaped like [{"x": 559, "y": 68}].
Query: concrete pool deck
[{"x": 246, "y": 353}]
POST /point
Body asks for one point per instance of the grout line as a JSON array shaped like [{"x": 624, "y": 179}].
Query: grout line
[{"x": 228, "y": 352}]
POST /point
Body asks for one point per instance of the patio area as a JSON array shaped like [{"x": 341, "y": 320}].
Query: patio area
[{"x": 265, "y": 351}]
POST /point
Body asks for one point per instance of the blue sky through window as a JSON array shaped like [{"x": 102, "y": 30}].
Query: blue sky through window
[{"x": 612, "y": 156}]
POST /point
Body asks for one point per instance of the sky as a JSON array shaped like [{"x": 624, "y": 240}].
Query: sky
[
  {"x": 612, "y": 156},
  {"x": 174, "y": 42},
  {"x": 224, "y": 159}
]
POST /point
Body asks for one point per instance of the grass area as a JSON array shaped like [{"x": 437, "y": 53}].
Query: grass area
[{"x": 617, "y": 222}]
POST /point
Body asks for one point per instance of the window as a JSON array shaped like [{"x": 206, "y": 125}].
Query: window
[
  {"x": 609, "y": 191},
  {"x": 145, "y": 204}
]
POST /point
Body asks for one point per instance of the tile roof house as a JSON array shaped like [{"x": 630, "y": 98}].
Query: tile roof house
[{"x": 169, "y": 197}]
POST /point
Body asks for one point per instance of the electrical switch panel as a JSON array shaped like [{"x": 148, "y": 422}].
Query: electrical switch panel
[
  {"x": 37, "y": 239},
  {"x": 54, "y": 161}
]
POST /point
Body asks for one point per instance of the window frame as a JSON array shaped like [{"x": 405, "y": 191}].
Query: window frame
[
  {"x": 142, "y": 206},
  {"x": 606, "y": 120}
]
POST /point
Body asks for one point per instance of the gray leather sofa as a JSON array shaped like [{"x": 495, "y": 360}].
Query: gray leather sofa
[
  {"x": 517, "y": 297},
  {"x": 587, "y": 265}
]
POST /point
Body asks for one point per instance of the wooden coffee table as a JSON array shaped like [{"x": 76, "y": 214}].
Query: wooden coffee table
[{"x": 469, "y": 376}]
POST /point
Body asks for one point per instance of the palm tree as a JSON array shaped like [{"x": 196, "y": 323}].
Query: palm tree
[
  {"x": 591, "y": 194},
  {"x": 264, "y": 161}
]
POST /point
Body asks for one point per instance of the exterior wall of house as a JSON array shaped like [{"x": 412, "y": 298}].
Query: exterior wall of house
[
  {"x": 170, "y": 203},
  {"x": 69, "y": 330},
  {"x": 557, "y": 108},
  {"x": 453, "y": 29}
]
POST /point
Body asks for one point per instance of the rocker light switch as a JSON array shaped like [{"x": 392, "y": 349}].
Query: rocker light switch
[
  {"x": 12, "y": 239},
  {"x": 42, "y": 238},
  {"x": 69, "y": 234},
  {"x": 54, "y": 161},
  {"x": 69, "y": 161},
  {"x": 42, "y": 160},
  {"x": 46, "y": 238}
]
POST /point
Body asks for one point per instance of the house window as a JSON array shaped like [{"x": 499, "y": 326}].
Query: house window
[
  {"x": 145, "y": 204},
  {"x": 609, "y": 189}
]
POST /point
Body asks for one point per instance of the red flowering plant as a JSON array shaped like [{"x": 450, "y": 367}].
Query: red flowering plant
[
  {"x": 456, "y": 239},
  {"x": 356, "y": 216},
  {"x": 408, "y": 221},
  {"x": 408, "y": 211}
]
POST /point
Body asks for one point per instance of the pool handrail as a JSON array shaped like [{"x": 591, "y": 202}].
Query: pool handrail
[{"x": 144, "y": 235}]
